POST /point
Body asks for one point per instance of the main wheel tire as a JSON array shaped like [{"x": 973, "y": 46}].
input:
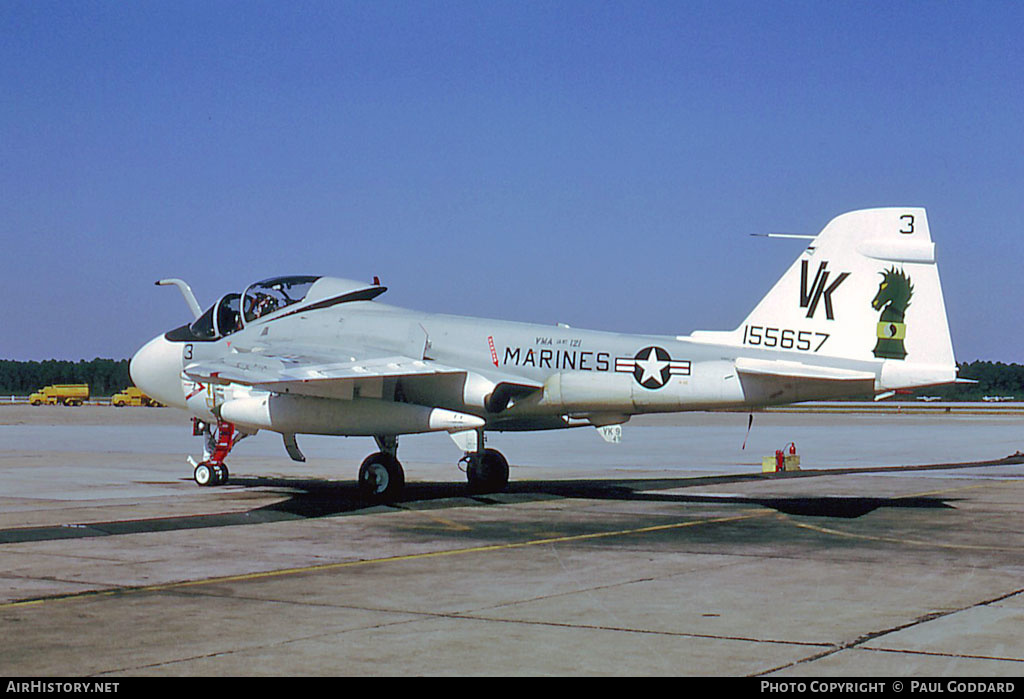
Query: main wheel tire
[
  {"x": 204, "y": 474},
  {"x": 487, "y": 472},
  {"x": 381, "y": 477}
]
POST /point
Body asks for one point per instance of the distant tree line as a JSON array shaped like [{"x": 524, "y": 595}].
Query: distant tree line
[
  {"x": 104, "y": 376},
  {"x": 994, "y": 379}
]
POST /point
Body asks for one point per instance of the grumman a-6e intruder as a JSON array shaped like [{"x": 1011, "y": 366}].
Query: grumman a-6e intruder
[{"x": 859, "y": 313}]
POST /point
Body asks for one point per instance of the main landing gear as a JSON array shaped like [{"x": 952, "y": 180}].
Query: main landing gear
[
  {"x": 212, "y": 470},
  {"x": 486, "y": 471},
  {"x": 381, "y": 477}
]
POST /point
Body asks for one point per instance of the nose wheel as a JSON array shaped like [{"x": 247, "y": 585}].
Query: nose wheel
[{"x": 208, "y": 473}]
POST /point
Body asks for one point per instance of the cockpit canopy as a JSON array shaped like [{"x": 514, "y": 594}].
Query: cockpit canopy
[
  {"x": 220, "y": 319},
  {"x": 270, "y": 295},
  {"x": 264, "y": 298},
  {"x": 260, "y": 299}
]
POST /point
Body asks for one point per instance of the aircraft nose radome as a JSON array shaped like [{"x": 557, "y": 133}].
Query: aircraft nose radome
[{"x": 156, "y": 369}]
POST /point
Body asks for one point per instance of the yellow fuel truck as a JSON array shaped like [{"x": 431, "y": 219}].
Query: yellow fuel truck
[
  {"x": 61, "y": 394},
  {"x": 132, "y": 396}
]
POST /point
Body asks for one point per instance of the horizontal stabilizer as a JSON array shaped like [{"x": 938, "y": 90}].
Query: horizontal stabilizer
[
  {"x": 799, "y": 370},
  {"x": 772, "y": 382}
]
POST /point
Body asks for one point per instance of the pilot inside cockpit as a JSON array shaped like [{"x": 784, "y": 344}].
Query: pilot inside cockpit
[
  {"x": 271, "y": 295},
  {"x": 265, "y": 304}
]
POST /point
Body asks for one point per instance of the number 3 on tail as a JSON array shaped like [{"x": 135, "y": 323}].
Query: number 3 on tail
[{"x": 907, "y": 221}]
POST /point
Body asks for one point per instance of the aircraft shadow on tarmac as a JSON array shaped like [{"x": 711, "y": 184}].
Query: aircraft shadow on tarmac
[
  {"x": 314, "y": 498},
  {"x": 321, "y": 498}
]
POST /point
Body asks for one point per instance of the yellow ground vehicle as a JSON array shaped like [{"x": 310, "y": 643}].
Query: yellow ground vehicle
[
  {"x": 61, "y": 394},
  {"x": 132, "y": 396}
]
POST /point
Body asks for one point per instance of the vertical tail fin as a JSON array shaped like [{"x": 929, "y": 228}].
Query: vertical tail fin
[{"x": 866, "y": 289}]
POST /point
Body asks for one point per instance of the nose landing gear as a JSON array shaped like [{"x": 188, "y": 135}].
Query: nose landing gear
[{"x": 212, "y": 470}]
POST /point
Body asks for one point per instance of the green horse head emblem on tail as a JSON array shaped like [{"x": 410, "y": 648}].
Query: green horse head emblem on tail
[{"x": 893, "y": 299}]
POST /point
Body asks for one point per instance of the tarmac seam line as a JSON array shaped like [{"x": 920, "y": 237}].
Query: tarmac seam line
[
  {"x": 259, "y": 646},
  {"x": 472, "y": 616},
  {"x": 422, "y": 616},
  {"x": 966, "y": 656},
  {"x": 866, "y": 638},
  {"x": 623, "y": 629}
]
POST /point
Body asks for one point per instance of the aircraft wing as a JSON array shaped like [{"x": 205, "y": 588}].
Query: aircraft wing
[{"x": 320, "y": 371}]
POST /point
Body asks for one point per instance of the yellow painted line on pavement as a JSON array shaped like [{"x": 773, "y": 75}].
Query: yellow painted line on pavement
[
  {"x": 897, "y": 540},
  {"x": 915, "y": 542},
  {"x": 245, "y": 577},
  {"x": 988, "y": 484},
  {"x": 443, "y": 521}
]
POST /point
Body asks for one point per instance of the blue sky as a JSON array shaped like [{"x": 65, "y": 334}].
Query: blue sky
[{"x": 594, "y": 163}]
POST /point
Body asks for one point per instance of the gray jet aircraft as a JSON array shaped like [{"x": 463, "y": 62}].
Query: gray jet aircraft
[{"x": 859, "y": 313}]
